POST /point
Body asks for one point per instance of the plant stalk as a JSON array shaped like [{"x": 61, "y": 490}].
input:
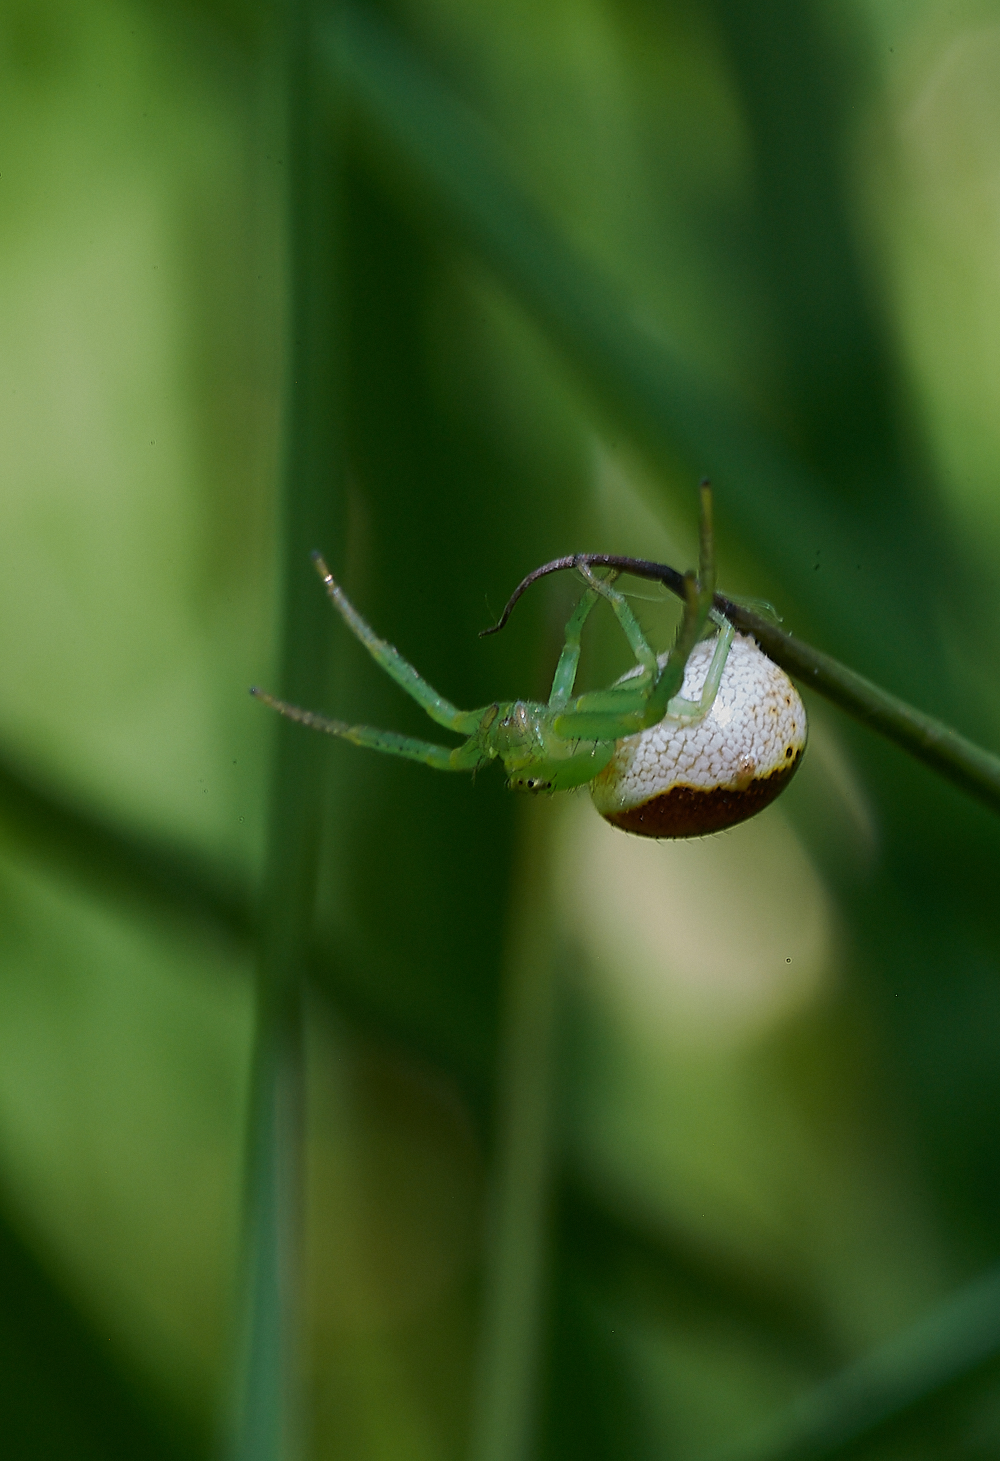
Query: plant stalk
[
  {"x": 505, "y": 1401},
  {"x": 268, "y": 1427}
]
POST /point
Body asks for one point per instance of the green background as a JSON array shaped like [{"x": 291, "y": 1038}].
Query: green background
[{"x": 770, "y": 1094}]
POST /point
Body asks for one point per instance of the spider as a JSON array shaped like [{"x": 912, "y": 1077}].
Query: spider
[{"x": 685, "y": 743}]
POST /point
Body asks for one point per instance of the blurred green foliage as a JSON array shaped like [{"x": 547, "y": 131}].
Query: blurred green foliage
[{"x": 762, "y": 1113}]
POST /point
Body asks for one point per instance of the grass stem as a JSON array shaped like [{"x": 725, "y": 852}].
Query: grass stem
[
  {"x": 513, "y": 1308},
  {"x": 935, "y": 1355},
  {"x": 268, "y": 1427}
]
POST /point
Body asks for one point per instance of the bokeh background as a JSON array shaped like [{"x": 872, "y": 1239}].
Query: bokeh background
[{"x": 758, "y": 1075}]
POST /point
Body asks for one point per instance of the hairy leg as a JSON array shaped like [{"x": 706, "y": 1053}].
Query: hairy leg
[
  {"x": 565, "y": 676},
  {"x": 643, "y": 700},
  {"x": 623, "y": 613},
  {"x": 462, "y": 758},
  {"x": 389, "y": 658},
  {"x": 695, "y": 709},
  {"x": 605, "y": 715},
  {"x": 698, "y": 593}
]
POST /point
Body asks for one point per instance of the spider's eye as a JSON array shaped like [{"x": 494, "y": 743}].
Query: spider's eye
[{"x": 529, "y": 783}]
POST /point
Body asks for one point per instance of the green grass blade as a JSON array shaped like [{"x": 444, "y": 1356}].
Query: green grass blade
[
  {"x": 912, "y": 1370},
  {"x": 624, "y": 1246},
  {"x": 116, "y": 863},
  {"x": 268, "y": 1419},
  {"x": 62, "y": 1393},
  {"x": 508, "y": 1361}
]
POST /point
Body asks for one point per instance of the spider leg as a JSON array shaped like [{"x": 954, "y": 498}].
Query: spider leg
[
  {"x": 389, "y": 658},
  {"x": 623, "y": 613},
  {"x": 698, "y": 596},
  {"x": 634, "y": 704},
  {"x": 694, "y": 709},
  {"x": 642, "y": 700},
  {"x": 604, "y": 715},
  {"x": 462, "y": 758},
  {"x": 565, "y": 676},
  {"x": 610, "y": 714}
]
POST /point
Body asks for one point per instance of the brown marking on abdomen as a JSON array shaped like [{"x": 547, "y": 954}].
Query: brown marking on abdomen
[{"x": 688, "y": 811}]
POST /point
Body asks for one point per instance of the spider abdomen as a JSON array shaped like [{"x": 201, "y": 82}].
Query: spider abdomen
[{"x": 689, "y": 777}]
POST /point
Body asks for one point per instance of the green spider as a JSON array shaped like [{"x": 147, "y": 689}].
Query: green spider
[{"x": 685, "y": 743}]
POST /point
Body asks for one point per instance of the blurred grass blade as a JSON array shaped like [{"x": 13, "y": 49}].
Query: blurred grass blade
[
  {"x": 268, "y": 1420},
  {"x": 509, "y": 1349},
  {"x": 62, "y": 1393},
  {"x": 916, "y": 1368},
  {"x": 625, "y": 1245},
  {"x": 119, "y": 863},
  {"x": 453, "y": 169}
]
